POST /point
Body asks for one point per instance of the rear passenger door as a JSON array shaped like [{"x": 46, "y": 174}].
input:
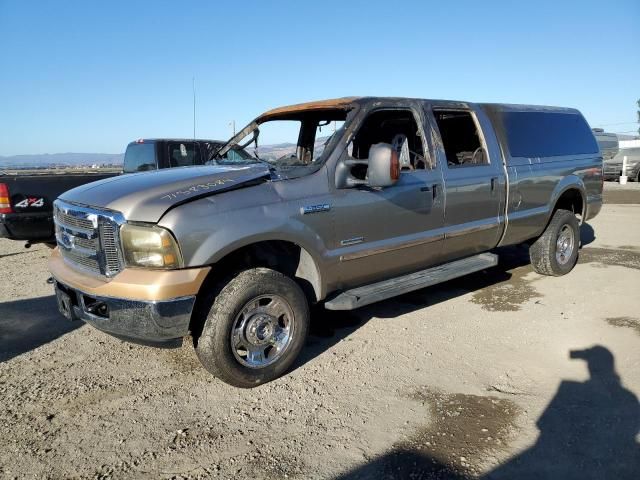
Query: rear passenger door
[{"x": 474, "y": 181}]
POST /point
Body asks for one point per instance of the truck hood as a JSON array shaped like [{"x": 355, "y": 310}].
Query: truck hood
[{"x": 145, "y": 197}]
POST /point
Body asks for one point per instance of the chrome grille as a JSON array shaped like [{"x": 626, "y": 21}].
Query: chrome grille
[
  {"x": 73, "y": 221},
  {"x": 109, "y": 244},
  {"x": 88, "y": 238},
  {"x": 85, "y": 243},
  {"x": 82, "y": 260}
]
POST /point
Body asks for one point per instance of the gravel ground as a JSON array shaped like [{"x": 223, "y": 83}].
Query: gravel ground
[
  {"x": 472, "y": 378},
  {"x": 628, "y": 193}
]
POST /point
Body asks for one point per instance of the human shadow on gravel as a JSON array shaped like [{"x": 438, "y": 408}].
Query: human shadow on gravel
[
  {"x": 27, "y": 324},
  {"x": 587, "y": 431}
]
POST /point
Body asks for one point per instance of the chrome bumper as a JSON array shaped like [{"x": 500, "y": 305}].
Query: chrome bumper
[{"x": 135, "y": 320}]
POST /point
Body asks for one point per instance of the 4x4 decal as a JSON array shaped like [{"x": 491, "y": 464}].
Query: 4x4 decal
[{"x": 30, "y": 202}]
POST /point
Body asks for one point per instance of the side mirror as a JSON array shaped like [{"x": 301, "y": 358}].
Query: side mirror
[
  {"x": 383, "y": 166},
  {"x": 381, "y": 169}
]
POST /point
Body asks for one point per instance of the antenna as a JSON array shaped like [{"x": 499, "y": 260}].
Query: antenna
[{"x": 193, "y": 85}]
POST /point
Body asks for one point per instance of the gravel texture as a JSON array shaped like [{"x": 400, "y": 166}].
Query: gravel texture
[{"x": 472, "y": 378}]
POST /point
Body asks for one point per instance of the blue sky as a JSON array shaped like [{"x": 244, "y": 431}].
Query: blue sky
[{"x": 91, "y": 76}]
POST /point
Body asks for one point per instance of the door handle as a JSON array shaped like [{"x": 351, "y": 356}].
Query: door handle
[
  {"x": 494, "y": 180},
  {"x": 433, "y": 188}
]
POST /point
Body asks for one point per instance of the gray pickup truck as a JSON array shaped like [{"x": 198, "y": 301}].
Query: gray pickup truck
[{"x": 394, "y": 195}]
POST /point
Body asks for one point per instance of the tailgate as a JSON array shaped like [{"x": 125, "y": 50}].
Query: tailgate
[{"x": 36, "y": 193}]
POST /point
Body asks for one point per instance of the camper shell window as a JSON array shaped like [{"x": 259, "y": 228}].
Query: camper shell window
[{"x": 547, "y": 134}]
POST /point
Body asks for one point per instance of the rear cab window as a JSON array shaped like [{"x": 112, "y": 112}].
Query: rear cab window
[
  {"x": 184, "y": 154},
  {"x": 140, "y": 157},
  {"x": 548, "y": 134}
]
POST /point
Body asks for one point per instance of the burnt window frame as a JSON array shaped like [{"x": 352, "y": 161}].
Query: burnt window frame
[
  {"x": 429, "y": 154},
  {"x": 434, "y": 109}
]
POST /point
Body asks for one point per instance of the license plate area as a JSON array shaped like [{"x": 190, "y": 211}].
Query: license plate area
[{"x": 67, "y": 299}]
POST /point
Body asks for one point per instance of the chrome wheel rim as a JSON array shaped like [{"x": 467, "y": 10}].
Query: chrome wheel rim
[
  {"x": 262, "y": 331},
  {"x": 565, "y": 245}
]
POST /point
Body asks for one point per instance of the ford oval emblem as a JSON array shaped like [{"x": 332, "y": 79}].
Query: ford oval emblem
[{"x": 66, "y": 240}]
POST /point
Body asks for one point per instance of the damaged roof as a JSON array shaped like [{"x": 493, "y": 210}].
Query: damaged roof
[{"x": 339, "y": 103}]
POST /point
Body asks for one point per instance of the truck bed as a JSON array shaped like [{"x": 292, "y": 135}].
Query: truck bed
[{"x": 32, "y": 193}]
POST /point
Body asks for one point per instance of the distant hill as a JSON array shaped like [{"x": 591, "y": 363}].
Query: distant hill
[
  {"x": 60, "y": 160},
  {"x": 49, "y": 160},
  {"x": 275, "y": 151}
]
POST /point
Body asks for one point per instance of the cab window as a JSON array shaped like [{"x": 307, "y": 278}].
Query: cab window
[
  {"x": 461, "y": 139},
  {"x": 184, "y": 154},
  {"x": 397, "y": 127}
]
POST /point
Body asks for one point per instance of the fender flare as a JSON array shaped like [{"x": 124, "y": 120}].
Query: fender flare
[
  {"x": 570, "y": 182},
  {"x": 309, "y": 264}
]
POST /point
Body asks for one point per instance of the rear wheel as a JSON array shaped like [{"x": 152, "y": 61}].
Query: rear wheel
[
  {"x": 556, "y": 251},
  {"x": 255, "y": 328}
]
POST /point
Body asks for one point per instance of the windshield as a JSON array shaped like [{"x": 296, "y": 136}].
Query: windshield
[{"x": 289, "y": 141}]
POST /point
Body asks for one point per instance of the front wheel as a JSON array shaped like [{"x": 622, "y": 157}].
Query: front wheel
[
  {"x": 255, "y": 328},
  {"x": 556, "y": 251}
]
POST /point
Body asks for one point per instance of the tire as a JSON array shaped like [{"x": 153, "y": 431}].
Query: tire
[
  {"x": 555, "y": 252},
  {"x": 254, "y": 329}
]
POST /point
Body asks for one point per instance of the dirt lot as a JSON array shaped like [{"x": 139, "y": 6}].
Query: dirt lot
[{"x": 473, "y": 378}]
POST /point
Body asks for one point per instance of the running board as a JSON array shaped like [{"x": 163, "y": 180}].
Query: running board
[{"x": 361, "y": 296}]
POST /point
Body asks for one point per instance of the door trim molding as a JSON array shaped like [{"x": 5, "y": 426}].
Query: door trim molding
[
  {"x": 473, "y": 229},
  {"x": 399, "y": 246}
]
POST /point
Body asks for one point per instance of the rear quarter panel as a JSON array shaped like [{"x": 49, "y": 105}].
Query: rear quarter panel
[{"x": 536, "y": 184}]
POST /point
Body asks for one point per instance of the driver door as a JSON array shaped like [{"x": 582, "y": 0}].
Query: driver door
[{"x": 386, "y": 232}]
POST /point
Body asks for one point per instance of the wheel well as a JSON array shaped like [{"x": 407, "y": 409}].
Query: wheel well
[
  {"x": 285, "y": 257},
  {"x": 570, "y": 200}
]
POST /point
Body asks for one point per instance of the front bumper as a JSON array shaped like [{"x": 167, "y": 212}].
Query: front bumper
[
  {"x": 135, "y": 320},
  {"x": 139, "y": 305}
]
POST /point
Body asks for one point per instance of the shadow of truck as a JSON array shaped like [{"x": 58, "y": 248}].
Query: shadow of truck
[{"x": 27, "y": 324}]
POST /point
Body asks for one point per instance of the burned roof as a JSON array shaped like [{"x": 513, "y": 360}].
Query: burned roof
[{"x": 344, "y": 103}]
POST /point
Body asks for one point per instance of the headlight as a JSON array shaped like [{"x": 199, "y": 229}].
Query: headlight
[{"x": 150, "y": 247}]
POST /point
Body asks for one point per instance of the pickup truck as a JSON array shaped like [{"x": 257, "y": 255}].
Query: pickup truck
[
  {"x": 613, "y": 166},
  {"x": 405, "y": 193},
  {"x": 26, "y": 200}
]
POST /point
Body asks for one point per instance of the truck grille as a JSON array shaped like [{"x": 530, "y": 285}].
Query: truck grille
[{"x": 88, "y": 238}]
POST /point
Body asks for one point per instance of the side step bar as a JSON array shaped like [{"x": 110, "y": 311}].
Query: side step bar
[{"x": 361, "y": 296}]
